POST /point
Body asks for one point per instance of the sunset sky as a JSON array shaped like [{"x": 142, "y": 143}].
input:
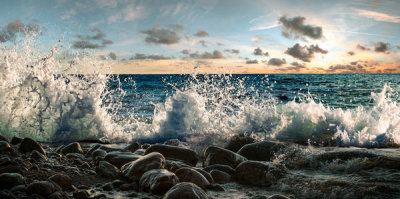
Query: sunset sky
[{"x": 216, "y": 36}]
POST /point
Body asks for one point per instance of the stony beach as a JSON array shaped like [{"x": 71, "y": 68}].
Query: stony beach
[{"x": 243, "y": 168}]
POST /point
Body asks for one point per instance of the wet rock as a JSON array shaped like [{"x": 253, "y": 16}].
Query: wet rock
[
  {"x": 216, "y": 155},
  {"x": 129, "y": 187},
  {"x": 132, "y": 147},
  {"x": 258, "y": 173},
  {"x": 8, "y": 180},
  {"x": 92, "y": 148},
  {"x": 4, "y": 146},
  {"x": 2, "y": 138},
  {"x": 205, "y": 174},
  {"x": 35, "y": 155},
  {"x": 43, "y": 188},
  {"x": 276, "y": 196},
  {"x": 258, "y": 197},
  {"x": 18, "y": 188},
  {"x": 262, "y": 151},
  {"x": 107, "y": 170},
  {"x": 62, "y": 180},
  {"x": 177, "y": 143},
  {"x": 215, "y": 187},
  {"x": 145, "y": 146},
  {"x": 16, "y": 140},
  {"x": 174, "y": 153},
  {"x": 57, "y": 195},
  {"x": 81, "y": 194},
  {"x": 99, "y": 154},
  {"x": 120, "y": 158},
  {"x": 13, "y": 169},
  {"x": 187, "y": 174},
  {"x": 221, "y": 167},
  {"x": 175, "y": 165},
  {"x": 185, "y": 190},
  {"x": 85, "y": 165},
  {"x": 158, "y": 181},
  {"x": 220, "y": 176},
  {"x": 134, "y": 170},
  {"x": 116, "y": 183},
  {"x": 140, "y": 152},
  {"x": 345, "y": 155},
  {"x": 74, "y": 147},
  {"x": 28, "y": 145},
  {"x": 238, "y": 141},
  {"x": 75, "y": 156},
  {"x": 107, "y": 187}
]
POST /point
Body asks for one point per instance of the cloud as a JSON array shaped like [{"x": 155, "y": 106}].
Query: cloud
[
  {"x": 378, "y": 16},
  {"x": 139, "y": 56},
  {"x": 295, "y": 28},
  {"x": 233, "y": 51},
  {"x": 11, "y": 31},
  {"x": 259, "y": 52},
  {"x": 158, "y": 35},
  {"x": 381, "y": 47},
  {"x": 249, "y": 61},
  {"x": 201, "y": 33},
  {"x": 304, "y": 53},
  {"x": 203, "y": 43},
  {"x": 112, "y": 56},
  {"x": 348, "y": 68},
  {"x": 361, "y": 47},
  {"x": 276, "y": 61},
  {"x": 351, "y": 53},
  {"x": 185, "y": 52},
  {"x": 294, "y": 66},
  {"x": 128, "y": 13},
  {"x": 177, "y": 27},
  {"x": 207, "y": 55},
  {"x": 98, "y": 40}
]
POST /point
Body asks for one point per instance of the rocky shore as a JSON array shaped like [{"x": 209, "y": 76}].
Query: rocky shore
[{"x": 171, "y": 170}]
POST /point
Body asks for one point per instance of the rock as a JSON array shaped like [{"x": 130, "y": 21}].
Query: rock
[
  {"x": 74, "y": 147},
  {"x": 107, "y": 187},
  {"x": 2, "y": 138},
  {"x": 175, "y": 165},
  {"x": 13, "y": 169},
  {"x": 262, "y": 151},
  {"x": 129, "y": 187},
  {"x": 174, "y": 153},
  {"x": 62, "y": 180},
  {"x": 107, "y": 170},
  {"x": 4, "y": 146},
  {"x": 177, "y": 143},
  {"x": 221, "y": 167},
  {"x": 140, "y": 152},
  {"x": 75, "y": 156},
  {"x": 187, "y": 174},
  {"x": 258, "y": 197},
  {"x": 345, "y": 155},
  {"x": 258, "y": 173},
  {"x": 185, "y": 190},
  {"x": 220, "y": 176},
  {"x": 145, "y": 146},
  {"x": 16, "y": 140},
  {"x": 35, "y": 155},
  {"x": 43, "y": 188},
  {"x": 8, "y": 180},
  {"x": 276, "y": 196},
  {"x": 19, "y": 188},
  {"x": 132, "y": 147},
  {"x": 99, "y": 154},
  {"x": 158, "y": 181},
  {"x": 28, "y": 145},
  {"x": 120, "y": 158},
  {"x": 134, "y": 170},
  {"x": 215, "y": 187},
  {"x": 81, "y": 194},
  {"x": 205, "y": 174},
  {"x": 216, "y": 155},
  {"x": 56, "y": 195},
  {"x": 92, "y": 148},
  {"x": 238, "y": 141}
]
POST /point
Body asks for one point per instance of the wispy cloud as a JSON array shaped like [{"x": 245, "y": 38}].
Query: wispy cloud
[{"x": 378, "y": 16}]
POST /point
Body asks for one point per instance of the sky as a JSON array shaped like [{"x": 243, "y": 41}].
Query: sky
[{"x": 215, "y": 36}]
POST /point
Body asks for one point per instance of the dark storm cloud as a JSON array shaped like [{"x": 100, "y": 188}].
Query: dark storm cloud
[
  {"x": 207, "y": 55},
  {"x": 381, "y": 47},
  {"x": 276, "y": 62},
  {"x": 351, "y": 53},
  {"x": 112, "y": 56},
  {"x": 201, "y": 33},
  {"x": 346, "y": 68},
  {"x": 203, "y": 43},
  {"x": 98, "y": 40},
  {"x": 249, "y": 61},
  {"x": 296, "y": 28},
  {"x": 259, "y": 52},
  {"x": 361, "y": 47},
  {"x": 140, "y": 56},
  {"x": 16, "y": 27},
  {"x": 158, "y": 35},
  {"x": 304, "y": 53},
  {"x": 233, "y": 51}
]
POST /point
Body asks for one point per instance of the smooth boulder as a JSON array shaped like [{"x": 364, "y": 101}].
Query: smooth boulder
[
  {"x": 8, "y": 180},
  {"x": 134, "y": 170},
  {"x": 120, "y": 158},
  {"x": 262, "y": 151},
  {"x": 220, "y": 176},
  {"x": 258, "y": 173},
  {"x": 158, "y": 181},
  {"x": 62, "y": 180},
  {"x": 238, "y": 141},
  {"x": 187, "y": 174},
  {"x": 28, "y": 145},
  {"x": 174, "y": 153},
  {"x": 74, "y": 147},
  {"x": 185, "y": 190},
  {"x": 216, "y": 155},
  {"x": 43, "y": 188},
  {"x": 107, "y": 170}
]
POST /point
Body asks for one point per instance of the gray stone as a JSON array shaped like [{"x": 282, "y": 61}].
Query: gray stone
[
  {"x": 259, "y": 173},
  {"x": 107, "y": 170},
  {"x": 158, "y": 181},
  {"x": 8, "y": 180},
  {"x": 217, "y": 155},
  {"x": 134, "y": 170},
  {"x": 120, "y": 158},
  {"x": 220, "y": 176},
  {"x": 262, "y": 151},
  {"x": 174, "y": 153},
  {"x": 43, "y": 188},
  {"x": 28, "y": 145},
  {"x": 185, "y": 190},
  {"x": 187, "y": 174},
  {"x": 74, "y": 147},
  {"x": 62, "y": 180}
]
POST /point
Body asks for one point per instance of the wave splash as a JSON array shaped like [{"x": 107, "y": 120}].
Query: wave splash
[{"x": 39, "y": 99}]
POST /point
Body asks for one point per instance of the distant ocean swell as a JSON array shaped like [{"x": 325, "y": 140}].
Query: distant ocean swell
[{"x": 37, "y": 100}]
